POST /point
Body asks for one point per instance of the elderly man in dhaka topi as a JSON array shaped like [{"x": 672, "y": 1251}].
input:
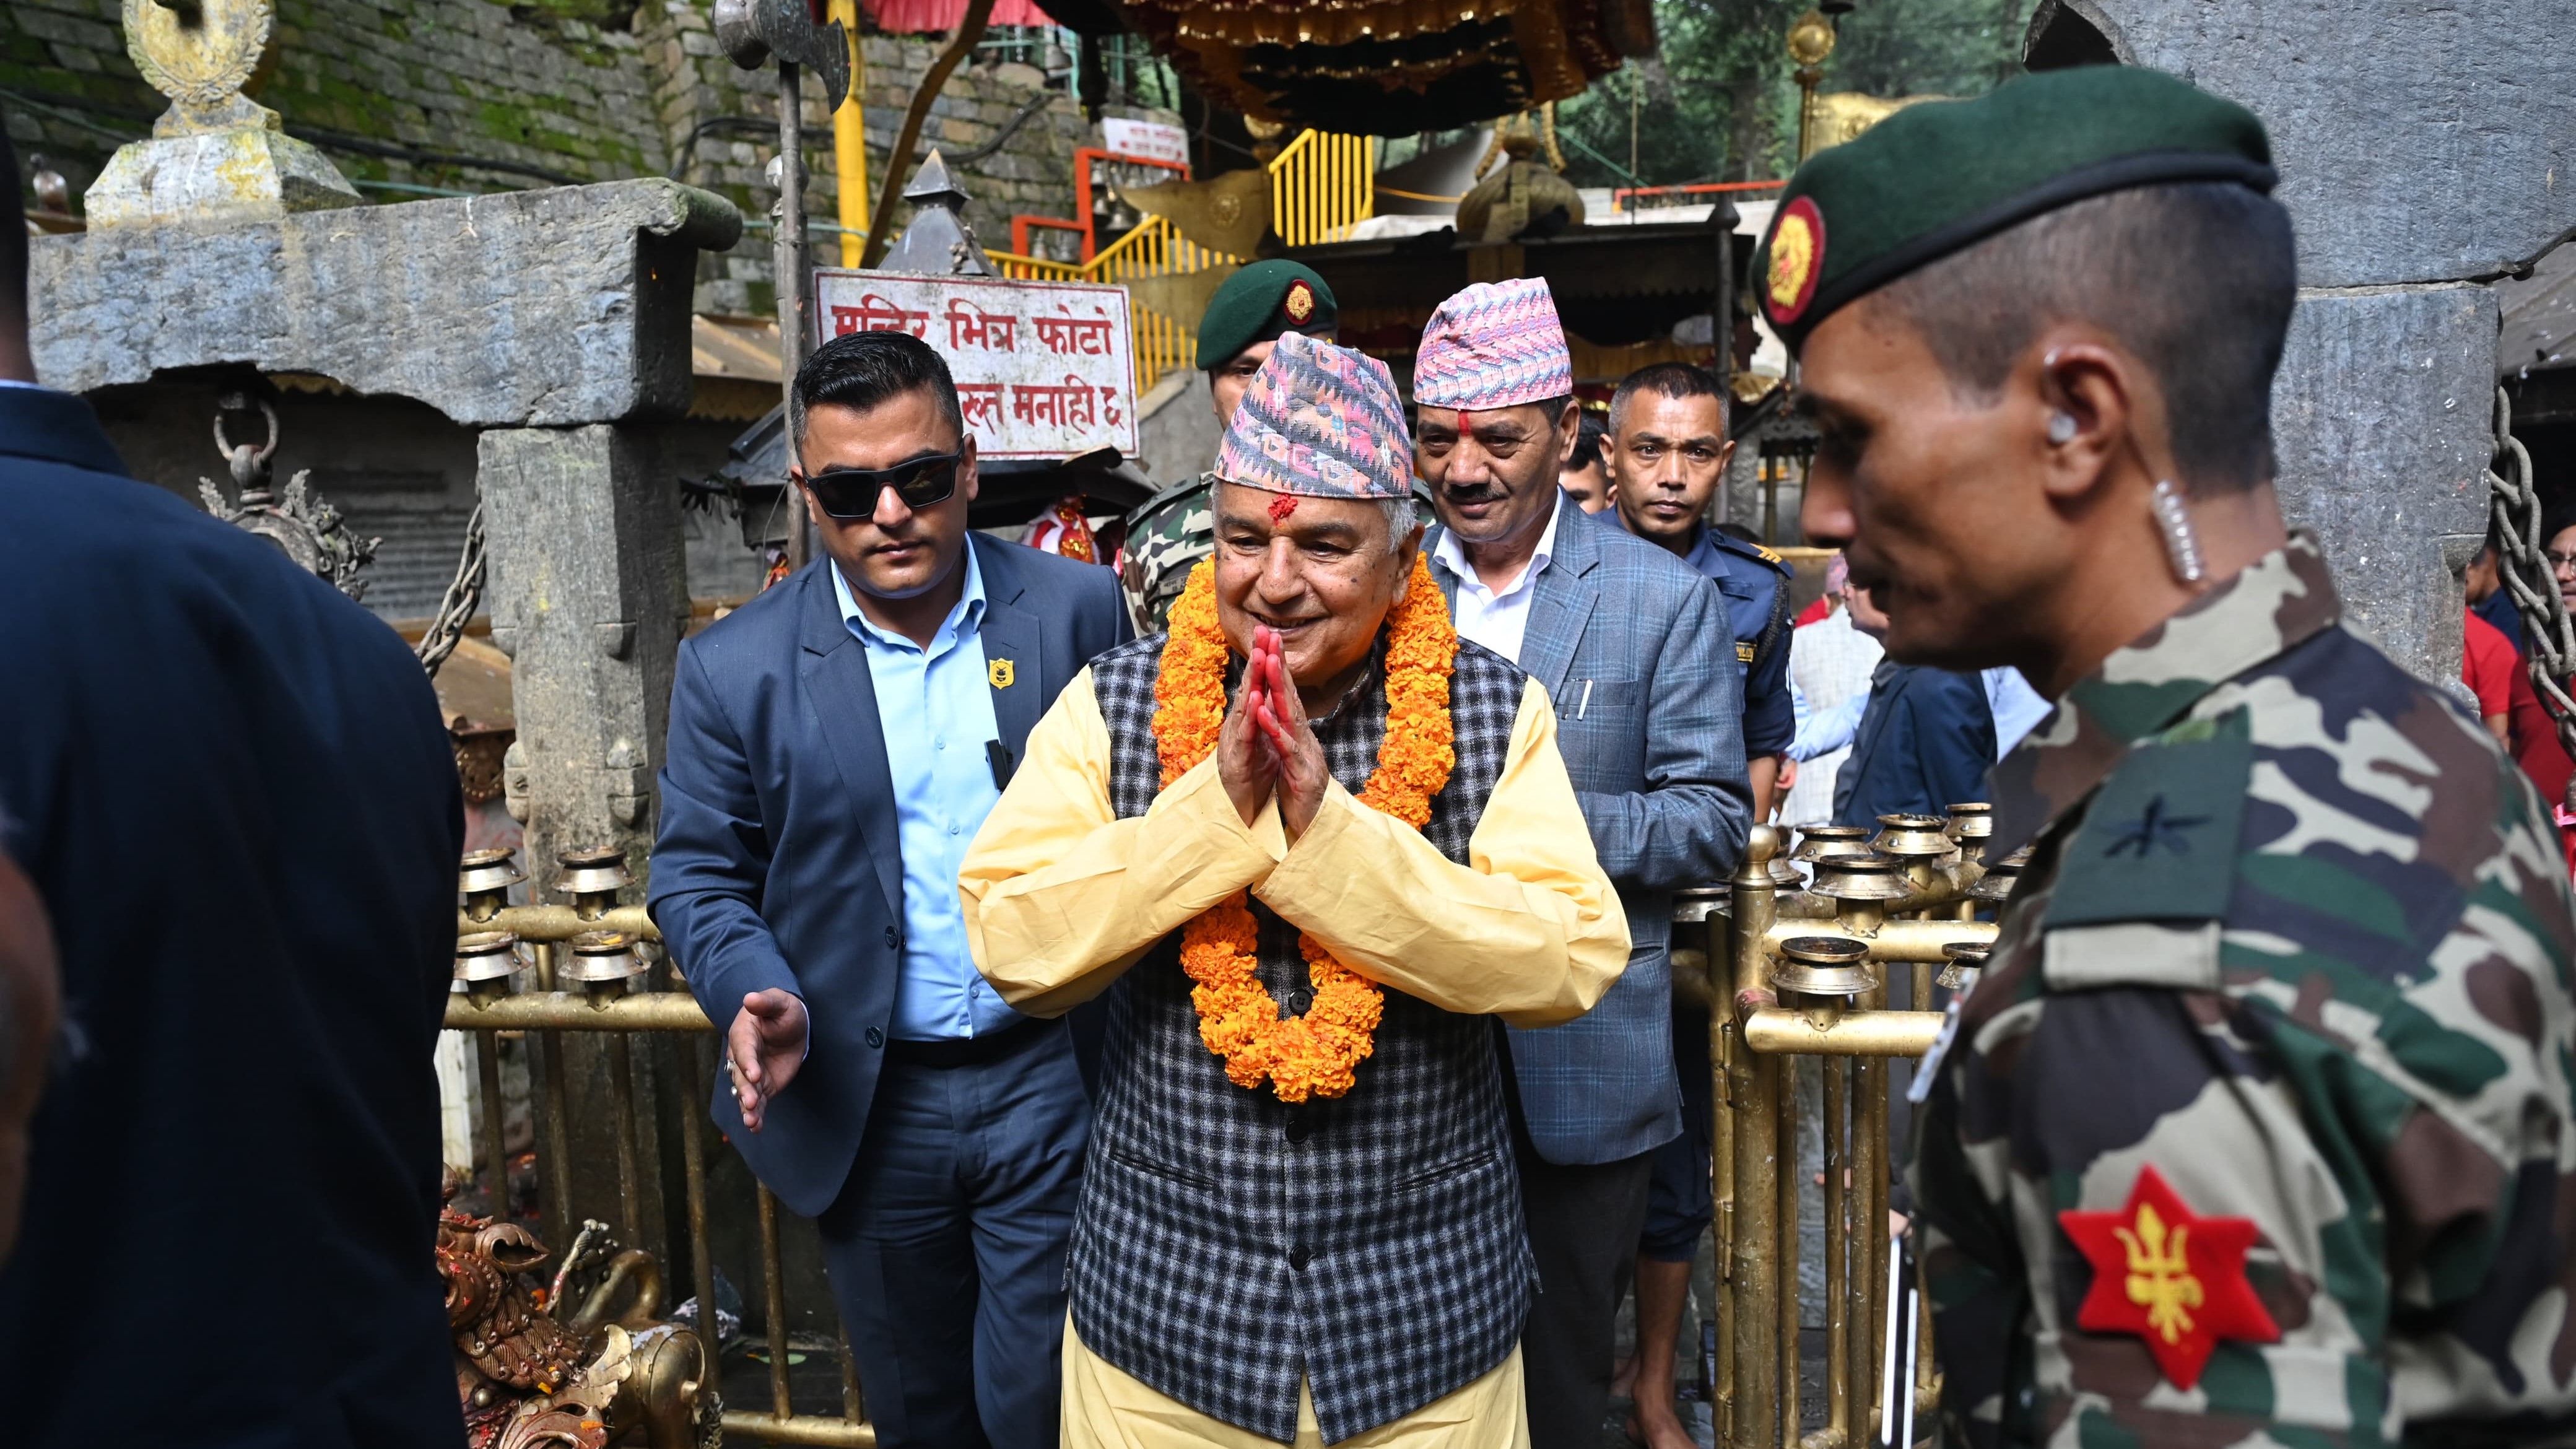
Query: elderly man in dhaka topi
[{"x": 1315, "y": 840}]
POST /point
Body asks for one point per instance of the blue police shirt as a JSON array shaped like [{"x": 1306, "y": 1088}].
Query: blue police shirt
[
  {"x": 935, "y": 709},
  {"x": 1757, "y": 609}
]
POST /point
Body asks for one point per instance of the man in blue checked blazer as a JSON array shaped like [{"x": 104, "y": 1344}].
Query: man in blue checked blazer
[
  {"x": 1634, "y": 649},
  {"x": 835, "y": 744}
]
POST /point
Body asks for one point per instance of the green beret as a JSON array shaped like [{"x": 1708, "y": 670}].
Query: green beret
[
  {"x": 1258, "y": 303},
  {"x": 1935, "y": 178}
]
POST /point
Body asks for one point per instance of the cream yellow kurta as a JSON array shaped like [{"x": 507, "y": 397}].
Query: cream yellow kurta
[{"x": 1061, "y": 897}]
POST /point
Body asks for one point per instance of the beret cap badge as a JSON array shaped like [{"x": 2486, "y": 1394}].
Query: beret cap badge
[
  {"x": 1797, "y": 254},
  {"x": 1299, "y": 304}
]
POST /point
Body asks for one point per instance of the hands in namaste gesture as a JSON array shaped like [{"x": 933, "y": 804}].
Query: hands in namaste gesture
[{"x": 1266, "y": 746}]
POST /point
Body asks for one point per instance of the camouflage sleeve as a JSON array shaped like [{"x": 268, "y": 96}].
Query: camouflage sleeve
[
  {"x": 2300, "y": 1171},
  {"x": 1167, "y": 534}
]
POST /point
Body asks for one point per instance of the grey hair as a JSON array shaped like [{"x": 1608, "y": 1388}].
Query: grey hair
[{"x": 1401, "y": 517}]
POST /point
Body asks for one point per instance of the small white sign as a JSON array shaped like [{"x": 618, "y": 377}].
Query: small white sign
[
  {"x": 1152, "y": 140},
  {"x": 1043, "y": 369}
]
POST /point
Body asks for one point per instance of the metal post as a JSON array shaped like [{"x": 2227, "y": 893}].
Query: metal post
[
  {"x": 1838, "y": 1237},
  {"x": 488, "y": 1046},
  {"x": 1869, "y": 1170},
  {"x": 1755, "y": 1257},
  {"x": 787, "y": 261},
  {"x": 621, "y": 1096},
  {"x": 1784, "y": 1229},
  {"x": 1723, "y": 1067},
  {"x": 774, "y": 1279},
  {"x": 854, "y": 1405},
  {"x": 693, "y": 1162}
]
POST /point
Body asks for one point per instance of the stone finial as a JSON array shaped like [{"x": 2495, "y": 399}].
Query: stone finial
[
  {"x": 215, "y": 155},
  {"x": 938, "y": 241}
]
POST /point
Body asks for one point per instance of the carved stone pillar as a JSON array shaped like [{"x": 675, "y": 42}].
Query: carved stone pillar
[{"x": 588, "y": 596}]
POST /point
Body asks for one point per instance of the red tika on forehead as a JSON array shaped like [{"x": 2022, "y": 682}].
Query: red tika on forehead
[{"x": 1282, "y": 506}]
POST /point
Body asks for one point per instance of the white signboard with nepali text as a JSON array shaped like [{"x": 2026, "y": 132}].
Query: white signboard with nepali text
[
  {"x": 1153, "y": 140},
  {"x": 1043, "y": 369}
]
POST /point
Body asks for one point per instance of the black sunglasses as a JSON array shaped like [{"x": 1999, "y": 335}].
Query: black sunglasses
[{"x": 848, "y": 493}]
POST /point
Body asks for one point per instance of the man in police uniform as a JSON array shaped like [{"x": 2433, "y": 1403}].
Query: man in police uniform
[
  {"x": 2258, "y": 1127},
  {"x": 1668, "y": 448},
  {"x": 1174, "y": 529}
]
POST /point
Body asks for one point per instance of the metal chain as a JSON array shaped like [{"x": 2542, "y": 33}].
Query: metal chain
[
  {"x": 464, "y": 593},
  {"x": 2524, "y": 569}
]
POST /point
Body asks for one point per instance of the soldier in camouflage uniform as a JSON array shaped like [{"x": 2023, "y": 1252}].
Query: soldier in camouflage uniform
[
  {"x": 1175, "y": 528},
  {"x": 2257, "y": 1129}
]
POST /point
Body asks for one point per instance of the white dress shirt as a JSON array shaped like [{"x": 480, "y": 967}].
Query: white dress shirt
[{"x": 1497, "y": 618}]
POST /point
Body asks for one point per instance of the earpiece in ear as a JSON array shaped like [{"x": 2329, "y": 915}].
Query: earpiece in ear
[{"x": 2061, "y": 428}]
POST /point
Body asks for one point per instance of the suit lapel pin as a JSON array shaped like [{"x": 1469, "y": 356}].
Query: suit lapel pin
[{"x": 1001, "y": 673}]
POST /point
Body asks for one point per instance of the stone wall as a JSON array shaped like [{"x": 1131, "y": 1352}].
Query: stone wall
[
  {"x": 2422, "y": 150},
  {"x": 468, "y": 95}
]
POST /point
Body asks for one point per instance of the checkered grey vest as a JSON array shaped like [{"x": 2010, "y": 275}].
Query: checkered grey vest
[{"x": 1227, "y": 1242}]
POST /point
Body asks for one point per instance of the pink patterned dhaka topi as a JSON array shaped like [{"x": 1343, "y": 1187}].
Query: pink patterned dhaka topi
[
  {"x": 1494, "y": 345},
  {"x": 1322, "y": 421}
]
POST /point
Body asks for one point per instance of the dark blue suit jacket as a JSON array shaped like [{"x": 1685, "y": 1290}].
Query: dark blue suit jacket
[
  {"x": 1926, "y": 743},
  {"x": 234, "y": 792},
  {"x": 778, "y": 863}
]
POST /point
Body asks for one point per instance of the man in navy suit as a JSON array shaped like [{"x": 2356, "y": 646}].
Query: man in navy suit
[
  {"x": 835, "y": 744},
  {"x": 235, "y": 798},
  {"x": 1925, "y": 741}
]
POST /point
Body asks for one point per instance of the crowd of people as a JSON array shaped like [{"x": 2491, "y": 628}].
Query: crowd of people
[{"x": 1230, "y": 1000}]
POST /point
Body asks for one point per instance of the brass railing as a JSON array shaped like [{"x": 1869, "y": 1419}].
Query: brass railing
[
  {"x": 588, "y": 977},
  {"x": 1797, "y": 971},
  {"x": 1322, "y": 185}
]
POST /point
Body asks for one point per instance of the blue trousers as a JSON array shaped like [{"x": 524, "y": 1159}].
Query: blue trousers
[{"x": 946, "y": 1248}]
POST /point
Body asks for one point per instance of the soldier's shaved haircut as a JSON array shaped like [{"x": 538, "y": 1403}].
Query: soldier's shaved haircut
[{"x": 2197, "y": 280}]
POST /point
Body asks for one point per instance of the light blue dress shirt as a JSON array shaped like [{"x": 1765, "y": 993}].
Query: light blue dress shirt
[{"x": 935, "y": 708}]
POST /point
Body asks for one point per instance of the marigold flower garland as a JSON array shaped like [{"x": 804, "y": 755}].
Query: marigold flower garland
[{"x": 1313, "y": 1055}]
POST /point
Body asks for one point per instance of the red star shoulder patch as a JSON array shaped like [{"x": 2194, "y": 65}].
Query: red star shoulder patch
[{"x": 2170, "y": 1276}]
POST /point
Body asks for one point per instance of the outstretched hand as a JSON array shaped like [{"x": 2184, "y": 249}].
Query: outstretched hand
[
  {"x": 1297, "y": 759},
  {"x": 763, "y": 1049}
]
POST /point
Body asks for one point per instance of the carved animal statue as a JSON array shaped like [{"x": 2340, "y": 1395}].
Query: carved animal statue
[{"x": 611, "y": 1373}]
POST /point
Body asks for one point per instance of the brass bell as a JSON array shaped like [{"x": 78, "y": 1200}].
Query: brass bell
[
  {"x": 1912, "y": 837},
  {"x": 593, "y": 878},
  {"x": 485, "y": 962},
  {"x": 1970, "y": 827},
  {"x": 1824, "y": 966},
  {"x": 1965, "y": 960},
  {"x": 599, "y": 959},
  {"x": 1693, "y": 904},
  {"x": 1997, "y": 883},
  {"x": 484, "y": 878},
  {"x": 1864, "y": 877},
  {"x": 1815, "y": 842}
]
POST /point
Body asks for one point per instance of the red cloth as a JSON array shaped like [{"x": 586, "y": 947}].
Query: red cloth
[
  {"x": 1817, "y": 612},
  {"x": 2488, "y": 666},
  {"x": 2535, "y": 748},
  {"x": 924, "y": 17}
]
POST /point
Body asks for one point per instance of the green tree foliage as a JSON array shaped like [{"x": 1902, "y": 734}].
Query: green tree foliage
[{"x": 1720, "y": 101}]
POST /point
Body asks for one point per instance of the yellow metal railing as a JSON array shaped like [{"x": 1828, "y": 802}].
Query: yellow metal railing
[{"x": 1320, "y": 187}]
